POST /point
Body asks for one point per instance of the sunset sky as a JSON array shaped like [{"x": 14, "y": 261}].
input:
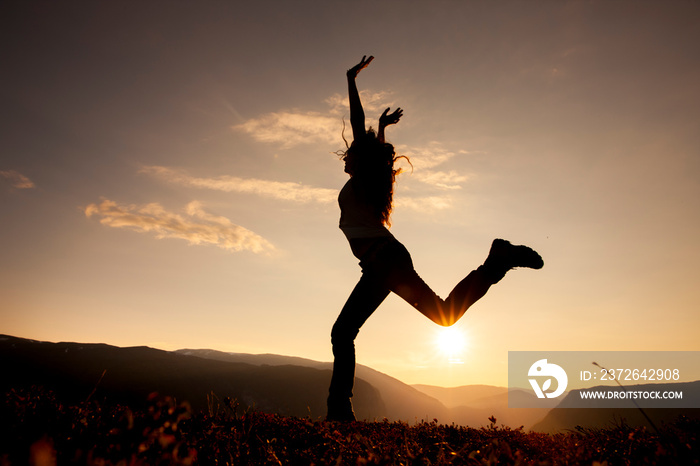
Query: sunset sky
[{"x": 168, "y": 174}]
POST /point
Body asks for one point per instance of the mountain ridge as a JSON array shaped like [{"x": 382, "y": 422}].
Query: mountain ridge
[
  {"x": 412, "y": 402},
  {"x": 74, "y": 370},
  {"x": 286, "y": 385}
]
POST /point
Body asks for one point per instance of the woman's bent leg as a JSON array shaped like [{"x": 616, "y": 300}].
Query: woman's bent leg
[
  {"x": 408, "y": 284},
  {"x": 364, "y": 299},
  {"x": 503, "y": 256}
]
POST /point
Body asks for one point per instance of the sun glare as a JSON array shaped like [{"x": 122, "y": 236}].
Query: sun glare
[{"x": 451, "y": 342}]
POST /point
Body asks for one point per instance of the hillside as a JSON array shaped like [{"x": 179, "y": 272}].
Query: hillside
[
  {"x": 37, "y": 427},
  {"x": 471, "y": 405},
  {"x": 275, "y": 384},
  {"x": 401, "y": 401},
  {"x": 73, "y": 370},
  {"x": 271, "y": 383}
]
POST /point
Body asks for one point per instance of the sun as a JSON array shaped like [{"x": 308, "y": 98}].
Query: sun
[{"x": 451, "y": 341}]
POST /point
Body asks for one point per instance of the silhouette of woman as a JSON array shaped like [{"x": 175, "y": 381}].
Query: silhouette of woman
[{"x": 365, "y": 206}]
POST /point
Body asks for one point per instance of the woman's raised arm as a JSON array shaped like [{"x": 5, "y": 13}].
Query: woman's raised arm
[
  {"x": 388, "y": 119},
  {"x": 357, "y": 114}
]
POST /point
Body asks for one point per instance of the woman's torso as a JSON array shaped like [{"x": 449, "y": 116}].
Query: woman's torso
[{"x": 358, "y": 222}]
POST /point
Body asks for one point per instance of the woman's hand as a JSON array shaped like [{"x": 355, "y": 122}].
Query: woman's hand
[
  {"x": 390, "y": 118},
  {"x": 355, "y": 70}
]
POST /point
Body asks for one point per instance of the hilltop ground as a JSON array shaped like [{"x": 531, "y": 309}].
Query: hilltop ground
[{"x": 37, "y": 426}]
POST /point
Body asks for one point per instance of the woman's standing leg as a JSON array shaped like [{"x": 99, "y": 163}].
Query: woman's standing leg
[{"x": 367, "y": 295}]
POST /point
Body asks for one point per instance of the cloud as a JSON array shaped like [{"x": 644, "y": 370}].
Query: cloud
[
  {"x": 273, "y": 189},
  {"x": 440, "y": 179},
  {"x": 283, "y": 190},
  {"x": 372, "y": 103},
  {"x": 294, "y": 127},
  {"x": 426, "y": 157},
  {"x": 196, "y": 226},
  {"x": 424, "y": 204},
  {"x": 289, "y": 129},
  {"x": 423, "y": 159},
  {"x": 16, "y": 179}
]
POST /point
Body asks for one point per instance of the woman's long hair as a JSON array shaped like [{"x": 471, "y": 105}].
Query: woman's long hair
[{"x": 370, "y": 164}]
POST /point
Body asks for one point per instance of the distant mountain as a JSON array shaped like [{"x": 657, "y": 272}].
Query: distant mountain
[
  {"x": 401, "y": 401},
  {"x": 466, "y": 395},
  {"x": 281, "y": 384},
  {"x": 470, "y": 405},
  {"x": 569, "y": 414},
  {"x": 268, "y": 359},
  {"x": 73, "y": 370},
  {"x": 474, "y": 404}
]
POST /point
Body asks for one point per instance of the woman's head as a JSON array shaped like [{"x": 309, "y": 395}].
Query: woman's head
[
  {"x": 368, "y": 155},
  {"x": 370, "y": 162}
]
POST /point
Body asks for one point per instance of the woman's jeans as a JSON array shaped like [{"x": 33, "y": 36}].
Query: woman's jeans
[{"x": 388, "y": 267}]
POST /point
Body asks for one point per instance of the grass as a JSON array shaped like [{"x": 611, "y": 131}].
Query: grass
[{"x": 37, "y": 427}]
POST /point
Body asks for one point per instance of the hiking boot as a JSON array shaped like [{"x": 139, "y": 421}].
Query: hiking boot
[{"x": 504, "y": 256}]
